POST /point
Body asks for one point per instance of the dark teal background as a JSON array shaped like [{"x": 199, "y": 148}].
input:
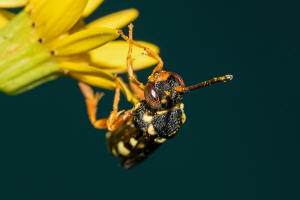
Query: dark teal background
[{"x": 240, "y": 140}]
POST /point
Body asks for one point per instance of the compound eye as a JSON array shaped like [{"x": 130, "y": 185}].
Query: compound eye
[
  {"x": 178, "y": 79},
  {"x": 151, "y": 96}
]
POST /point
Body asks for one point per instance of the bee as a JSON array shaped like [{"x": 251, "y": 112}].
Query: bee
[{"x": 134, "y": 134}]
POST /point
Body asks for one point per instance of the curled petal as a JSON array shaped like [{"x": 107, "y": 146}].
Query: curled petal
[
  {"x": 116, "y": 20},
  {"x": 83, "y": 41},
  {"x": 112, "y": 56},
  {"x": 12, "y": 3},
  {"x": 91, "y": 6},
  {"x": 52, "y": 18}
]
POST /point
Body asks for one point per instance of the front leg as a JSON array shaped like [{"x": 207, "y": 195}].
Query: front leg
[
  {"x": 149, "y": 52},
  {"x": 136, "y": 86}
]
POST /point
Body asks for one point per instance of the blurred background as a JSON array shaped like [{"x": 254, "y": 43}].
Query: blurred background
[{"x": 240, "y": 140}]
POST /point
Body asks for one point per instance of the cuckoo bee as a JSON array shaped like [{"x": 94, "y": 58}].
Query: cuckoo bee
[{"x": 134, "y": 134}]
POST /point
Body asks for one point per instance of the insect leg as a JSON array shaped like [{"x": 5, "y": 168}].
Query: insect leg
[
  {"x": 149, "y": 52},
  {"x": 117, "y": 118},
  {"x": 91, "y": 101},
  {"x": 136, "y": 86}
]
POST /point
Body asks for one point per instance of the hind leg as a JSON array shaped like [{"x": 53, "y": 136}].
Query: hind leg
[{"x": 115, "y": 119}]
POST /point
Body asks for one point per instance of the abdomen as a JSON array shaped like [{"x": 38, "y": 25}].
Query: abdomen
[{"x": 130, "y": 144}]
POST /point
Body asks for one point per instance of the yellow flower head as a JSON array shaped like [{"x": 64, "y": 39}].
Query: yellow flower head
[{"x": 49, "y": 38}]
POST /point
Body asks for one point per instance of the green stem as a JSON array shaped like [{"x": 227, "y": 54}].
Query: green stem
[{"x": 24, "y": 62}]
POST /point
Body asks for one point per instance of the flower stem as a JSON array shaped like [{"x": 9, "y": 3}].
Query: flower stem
[{"x": 24, "y": 62}]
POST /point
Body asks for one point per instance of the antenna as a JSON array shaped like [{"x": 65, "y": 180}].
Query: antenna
[{"x": 224, "y": 78}]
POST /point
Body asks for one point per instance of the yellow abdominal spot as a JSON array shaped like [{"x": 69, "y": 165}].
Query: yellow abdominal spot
[
  {"x": 122, "y": 149},
  {"x": 141, "y": 146},
  {"x": 114, "y": 152},
  {"x": 133, "y": 142},
  {"x": 160, "y": 140},
  {"x": 183, "y": 117}
]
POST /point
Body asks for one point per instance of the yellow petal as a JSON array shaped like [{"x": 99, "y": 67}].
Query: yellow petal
[
  {"x": 95, "y": 81},
  {"x": 75, "y": 67},
  {"x": 5, "y": 17},
  {"x": 83, "y": 41},
  {"x": 77, "y": 27},
  {"x": 12, "y": 3},
  {"x": 112, "y": 56},
  {"x": 7, "y": 14},
  {"x": 91, "y": 6},
  {"x": 116, "y": 20},
  {"x": 55, "y": 17},
  {"x": 104, "y": 83}
]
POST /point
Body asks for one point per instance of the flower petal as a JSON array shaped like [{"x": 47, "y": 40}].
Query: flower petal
[
  {"x": 116, "y": 20},
  {"x": 112, "y": 56},
  {"x": 12, "y": 3},
  {"x": 94, "y": 80},
  {"x": 55, "y": 17},
  {"x": 7, "y": 14},
  {"x": 75, "y": 67},
  {"x": 5, "y": 17},
  {"x": 83, "y": 41},
  {"x": 91, "y": 6},
  {"x": 102, "y": 82}
]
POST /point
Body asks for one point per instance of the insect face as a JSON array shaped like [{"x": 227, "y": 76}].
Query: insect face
[
  {"x": 161, "y": 113},
  {"x": 160, "y": 93}
]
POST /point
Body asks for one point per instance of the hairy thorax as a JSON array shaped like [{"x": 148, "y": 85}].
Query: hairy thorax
[{"x": 160, "y": 124}]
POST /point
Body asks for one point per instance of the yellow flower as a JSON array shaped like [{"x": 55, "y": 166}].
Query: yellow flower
[{"x": 49, "y": 38}]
